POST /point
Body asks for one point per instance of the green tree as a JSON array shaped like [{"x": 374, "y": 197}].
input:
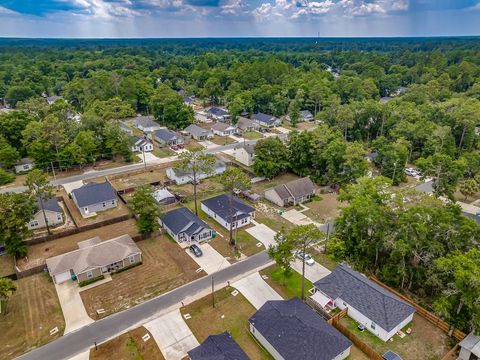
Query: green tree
[
  {"x": 282, "y": 252},
  {"x": 6, "y": 177},
  {"x": 271, "y": 157},
  {"x": 7, "y": 288},
  {"x": 40, "y": 188},
  {"x": 8, "y": 154},
  {"x": 18, "y": 93},
  {"x": 86, "y": 142},
  {"x": 110, "y": 109},
  {"x": 294, "y": 112},
  {"x": 145, "y": 207},
  {"x": 469, "y": 187}
]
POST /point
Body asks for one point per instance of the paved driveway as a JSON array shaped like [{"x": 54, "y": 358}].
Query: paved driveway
[
  {"x": 298, "y": 218},
  {"x": 69, "y": 187},
  {"x": 313, "y": 272},
  {"x": 211, "y": 261},
  {"x": 256, "y": 290},
  {"x": 263, "y": 234},
  {"x": 149, "y": 158},
  {"x": 72, "y": 306},
  {"x": 172, "y": 335}
]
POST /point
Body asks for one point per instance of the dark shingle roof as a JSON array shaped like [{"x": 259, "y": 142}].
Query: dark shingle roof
[
  {"x": 370, "y": 299},
  {"x": 217, "y": 111},
  {"x": 472, "y": 216},
  {"x": 165, "y": 135},
  {"x": 183, "y": 220},
  {"x": 219, "y": 126},
  {"x": 94, "y": 193},
  {"x": 295, "y": 188},
  {"x": 49, "y": 204},
  {"x": 145, "y": 121},
  {"x": 220, "y": 205},
  {"x": 264, "y": 118},
  {"x": 196, "y": 130},
  {"x": 218, "y": 347},
  {"x": 297, "y": 332}
]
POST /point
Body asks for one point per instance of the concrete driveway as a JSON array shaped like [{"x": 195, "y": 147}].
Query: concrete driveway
[
  {"x": 298, "y": 218},
  {"x": 69, "y": 187},
  {"x": 263, "y": 234},
  {"x": 72, "y": 306},
  {"x": 149, "y": 157},
  {"x": 313, "y": 272},
  {"x": 211, "y": 261},
  {"x": 172, "y": 335},
  {"x": 256, "y": 290}
]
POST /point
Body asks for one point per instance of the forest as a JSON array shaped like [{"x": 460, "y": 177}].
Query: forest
[{"x": 429, "y": 118}]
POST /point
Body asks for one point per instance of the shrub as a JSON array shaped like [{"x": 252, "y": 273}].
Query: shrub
[
  {"x": 90, "y": 281},
  {"x": 127, "y": 267},
  {"x": 6, "y": 177}
]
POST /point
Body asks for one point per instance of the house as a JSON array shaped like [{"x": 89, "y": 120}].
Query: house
[
  {"x": 266, "y": 120},
  {"x": 245, "y": 154},
  {"x": 290, "y": 329},
  {"x": 126, "y": 129},
  {"x": 94, "y": 197},
  {"x": 228, "y": 211},
  {"x": 24, "y": 165},
  {"x": 385, "y": 99},
  {"x": 181, "y": 177},
  {"x": 371, "y": 156},
  {"x": 292, "y": 193},
  {"x": 141, "y": 144},
  {"x": 475, "y": 217},
  {"x": 164, "y": 197},
  {"x": 167, "y": 137},
  {"x": 53, "y": 214},
  {"x": 94, "y": 258},
  {"x": 304, "y": 116},
  {"x": 245, "y": 125},
  {"x": 52, "y": 99},
  {"x": 223, "y": 129},
  {"x": 146, "y": 124},
  {"x": 198, "y": 133},
  {"x": 218, "y": 114},
  {"x": 184, "y": 226},
  {"x": 470, "y": 348},
  {"x": 380, "y": 311},
  {"x": 188, "y": 100},
  {"x": 218, "y": 347}
]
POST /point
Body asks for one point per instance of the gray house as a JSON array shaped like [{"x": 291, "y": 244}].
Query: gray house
[
  {"x": 290, "y": 329},
  {"x": 198, "y": 133},
  {"x": 470, "y": 348},
  {"x": 146, "y": 123},
  {"x": 181, "y": 177},
  {"x": 165, "y": 137},
  {"x": 94, "y": 197},
  {"x": 53, "y": 213},
  {"x": 218, "y": 114},
  {"x": 245, "y": 125},
  {"x": 184, "y": 226},
  {"x": 266, "y": 120},
  {"x": 291, "y": 193},
  {"x": 24, "y": 165},
  {"x": 218, "y": 347}
]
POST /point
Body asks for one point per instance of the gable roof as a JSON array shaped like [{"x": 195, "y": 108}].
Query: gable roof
[
  {"x": 220, "y": 205},
  {"x": 370, "y": 299},
  {"x": 219, "y": 126},
  {"x": 182, "y": 220},
  {"x": 248, "y": 148},
  {"x": 244, "y": 123},
  {"x": 145, "y": 121},
  {"x": 297, "y": 332},
  {"x": 196, "y": 130},
  {"x": 472, "y": 216},
  {"x": 264, "y": 118},
  {"x": 219, "y": 164},
  {"x": 93, "y": 255},
  {"x": 24, "y": 161},
  {"x": 49, "y": 204},
  {"x": 165, "y": 135},
  {"x": 218, "y": 347},
  {"x": 188, "y": 100},
  {"x": 217, "y": 111},
  {"x": 94, "y": 193},
  {"x": 306, "y": 114},
  {"x": 295, "y": 188}
]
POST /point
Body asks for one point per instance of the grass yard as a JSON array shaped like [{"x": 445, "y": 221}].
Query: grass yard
[
  {"x": 39, "y": 252},
  {"x": 231, "y": 313},
  {"x": 261, "y": 186},
  {"x": 32, "y": 312},
  {"x": 223, "y": 140},
  {"x": 6, "y": 265},
  {"x": 323, "y": 259},
  {"x": 271, "y": 218},
  {"x": 426, "y": 342},
  {"x": 305, "y": 125},
  {"x": 128, "y": 346},
  {"x": 163, "y": 152},
  {"x": 287, "y": 287},
  {"x": 165, "y": 266},
  {"x": 324, "y": 210},
  {"x": 251, "y": 135},
  {"x": 193, "y": 145},
  {"x": 207, "y": 188}
]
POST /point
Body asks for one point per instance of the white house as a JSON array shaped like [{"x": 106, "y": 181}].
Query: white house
[
  {"x": 245, "y": 154},
  {"x": 228, "y": 211},
  {"x": 140, "y": 144},
  {"x": 146, "y": 124},
  {"x": 24, "y": 165},
  {"x": 266, "y": 120},
  {"x": 53, "y": 213},
  {"x": 223, "y": 129},
  {"x": 381, "y": 312},
  {"x": 184, "y": 177},
  {"x": 470, "y": 348},
  {"x": 218, "y": 114},
  {"x": 183, "y": 226}
]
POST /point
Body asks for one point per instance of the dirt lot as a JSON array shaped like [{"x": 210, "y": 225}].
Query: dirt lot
[
  {"x": 32, "y": 312},
  {"x": 326, "y": 209},
  {"x": 207, "y": 188},
  {"x": 165, "y": 267},
  {"x": 426, "y": 341},
  {"x": 231, "y": 313},
  {"x": 300, "y": 126},
  {"x": 128, "y": 346},
  {"x": 39, "y": 252},
  {"x": 6, "y": 265},
  {"x": 138, "y": 178}
]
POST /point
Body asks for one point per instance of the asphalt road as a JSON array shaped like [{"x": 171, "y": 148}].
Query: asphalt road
[{"x": 99, "y": 331}]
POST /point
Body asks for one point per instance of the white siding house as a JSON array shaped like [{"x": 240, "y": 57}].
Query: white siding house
[
  {"x": 184, "y": 227},
  {"x": 24, "y": 165},
  {"x": 53, "y": 213},
  {"x": 184, "y": 177},
  {"x": 245, "y": 155},
  {"x": 228, "y": 211}
]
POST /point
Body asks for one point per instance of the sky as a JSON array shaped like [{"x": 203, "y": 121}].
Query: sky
[{"x": 237, "y": 18}]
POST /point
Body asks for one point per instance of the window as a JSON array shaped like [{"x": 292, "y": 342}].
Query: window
[
  {"x": 85, "y": 209},
  {"x": 104, "y": 204},
  {"x": 113, "y": 202},
  {"x": 131, "y": 258},
  {"x": 33, "y": 223},
  {"x": 59, "y": 217},
  {"x": 89, "y": 274},
  {"x": 373, "y": 325},
  {"x": 26, "y": 167}
]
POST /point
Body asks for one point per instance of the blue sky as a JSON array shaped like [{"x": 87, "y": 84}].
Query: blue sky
[{"x": 227, "y": 18}]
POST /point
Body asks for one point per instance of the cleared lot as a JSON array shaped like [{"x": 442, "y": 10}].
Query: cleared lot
[
  {"x": 165, "y": 267},
  {"x": 256, "y": 290}
]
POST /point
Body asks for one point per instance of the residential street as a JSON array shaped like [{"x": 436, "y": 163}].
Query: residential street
[{"x": 79, "y": 341}]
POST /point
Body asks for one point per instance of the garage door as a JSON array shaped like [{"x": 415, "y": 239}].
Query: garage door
[{"x": 62, "y": 277}]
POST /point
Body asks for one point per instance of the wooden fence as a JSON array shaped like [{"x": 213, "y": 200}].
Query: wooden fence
[
  {"x": 317, "y": 308},
  {"x": 435, "y": 320},
  {"x": 452, "y": 354}
]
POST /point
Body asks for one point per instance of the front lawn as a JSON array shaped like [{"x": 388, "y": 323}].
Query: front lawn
[
  {"x": 223, "y": 140},
  {"x": 163, "y": 152},
  {"x": 287, "y": 287},
  {"x": 251, "y": 135},
  {"x": 231, "y": 313},
  {"x": 325, "y": 209}
]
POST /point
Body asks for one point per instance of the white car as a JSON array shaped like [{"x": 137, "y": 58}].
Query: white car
[
  {"x": 412, "y": 172},
  {"x": 308, "y": 259}
]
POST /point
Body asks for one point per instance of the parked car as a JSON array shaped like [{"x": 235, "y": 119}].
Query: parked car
[
  {"x": 390, "y": 355},
  {"x": 412, "y": 172},
  {"x": 174, "y": 147},
  {"x": 195, "y": 250},
  {"x": 308, "y": 259},
  {"x": 180, "y": 146},
  {"x": 237, "y": 135}
]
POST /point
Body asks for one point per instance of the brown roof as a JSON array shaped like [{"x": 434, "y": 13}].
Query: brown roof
[
  {"x": 244, "y": 123},
  {"x": 219, "y": 126},
  {"x": 96, "y": 255},
  {"x": 295, "y": 188}
]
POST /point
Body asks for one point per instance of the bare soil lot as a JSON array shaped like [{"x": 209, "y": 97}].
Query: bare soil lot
[
  {"x": 207, "y": 188},
  {"x": 326, "y": 209},
  {"x": 165, "y": 267},
  {"x": 300, "y": 126},
  {"x": 138, "y": 178},
  {"x": 128, "y": 346},
  {"x": 6, "y": 265},
  {"x": 231, "y": 313},
  {"x": 38, "y": 253},
  {"x": 32, "y": 312}
]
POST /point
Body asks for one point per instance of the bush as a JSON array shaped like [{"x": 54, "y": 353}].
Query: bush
[
  {"x": 90, "y": 281},
  {"x": 127, "y": 267},
  {"x": 6, "y": 177}
]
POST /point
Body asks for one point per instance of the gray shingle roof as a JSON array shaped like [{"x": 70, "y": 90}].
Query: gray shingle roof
[
  {"x": 220, "y": 205},
  {"x": 306, "y": 114},
  {"x": 264, "y": 118},
  {"x": 145, "y": 121},
  {"x": 472, "y": 216},
  {"x": 297, "y": 332},
  {"x": 217, "y": 111},
  {"x": 219, "y": 126},
  {"x": 245, "y": 123},
  {"x": 196, "y": 130},
  {"x": 182, "y": 220},
  {"x": 218, "y": 347},
  {"x": 370, "y": 299},
  {"x": 49, "y": 204},
  {"x": 471, "y": 343},
  {"x": 295, "y": 188},
  {"x": 165, "y": 135},
  {"x": 94, "y": 193}
]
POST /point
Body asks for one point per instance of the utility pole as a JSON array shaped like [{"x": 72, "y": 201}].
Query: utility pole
[
  {"x": 144, "y": 160},
  {"x": 326, "y": 240},
  {"x": 213, "y": 294},
  {"x": 53, "y": 171},
  {"x": 394, "y": 171}
]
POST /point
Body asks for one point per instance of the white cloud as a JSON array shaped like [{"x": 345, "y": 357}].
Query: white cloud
[
  {"x": 234, "y": 7},
  {"x": 106, "y": 9},
  {"x": 5, "y": 11}
]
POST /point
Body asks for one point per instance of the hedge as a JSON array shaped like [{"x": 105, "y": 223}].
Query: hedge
[
  {"x": 90, "y": 281},
  {"x": 127, "y": 267}
]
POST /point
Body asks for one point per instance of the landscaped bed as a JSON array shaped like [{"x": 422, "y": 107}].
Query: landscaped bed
[
  {"x": 231, "y": 313},
  {"x": 287, "y": 287},
  {"x": 128, "y": 346},
  {"x": 32, "y": 312},
  {"x": 165, "y": 266},
  {"x": 251, "y": 135}
]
